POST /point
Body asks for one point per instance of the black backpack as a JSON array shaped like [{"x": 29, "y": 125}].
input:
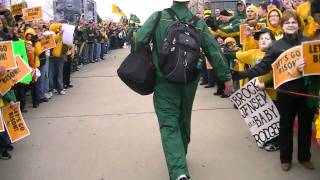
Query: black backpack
[{"x": 180, "y": 53}]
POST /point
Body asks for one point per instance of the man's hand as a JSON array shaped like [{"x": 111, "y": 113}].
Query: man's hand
[
  {"x": 2, "y": 70},
  {"x": 300, "y": 64},
  {"x": 261, "y": 86},
  {"x": 228, "y": 87}
]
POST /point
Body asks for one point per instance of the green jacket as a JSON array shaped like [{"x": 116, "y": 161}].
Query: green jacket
[
  {"x": 89, "y": 35},
  {"x": 240, "y": 17},
  {"x": 208, "y": 43}
]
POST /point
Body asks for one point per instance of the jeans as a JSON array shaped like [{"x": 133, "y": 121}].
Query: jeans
[
  {"x": 35, "y": 93},
  {"x": 20, "y": 91},
  {"x": 98, "y": 51},
  {"x": 103, "y": 47},
  {"x": 81, "y": 53},
  {"x": 56, "y": 74},
  {"x": 108, "y": 46},
  {"x": 88, "y": 57},
  {"x": 43, "y": 80},
  {"x": 67, "y": 71}
]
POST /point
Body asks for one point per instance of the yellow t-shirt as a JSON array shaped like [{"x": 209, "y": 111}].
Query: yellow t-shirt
[{"x": 253, "y": 57}]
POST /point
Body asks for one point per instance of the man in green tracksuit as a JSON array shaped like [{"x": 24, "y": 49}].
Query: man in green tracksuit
[{"x": 173, "y": 101}]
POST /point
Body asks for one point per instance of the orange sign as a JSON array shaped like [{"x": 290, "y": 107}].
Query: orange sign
[
  {"x": 47, "y": 42},
  {"x": 23, "y": 69},
  {"x": 6, "y": 55},
  {"x": 245, "y": 28},
  {"x": 13, "y": 76},
  {"x": 16, "y": 9},
  {"x": 311, "y": 56},
  {"x": 1, "y": 123},
  {"x": 31, "y": 14},
  {"x": 14, "y": 123},
  {"x": 284, "y": 68}
]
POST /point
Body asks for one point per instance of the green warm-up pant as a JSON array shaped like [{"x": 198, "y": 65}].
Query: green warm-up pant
[{"x": 173, "y": 106}]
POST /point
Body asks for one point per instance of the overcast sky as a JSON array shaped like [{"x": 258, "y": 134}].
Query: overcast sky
[{"x": 142, "y": 8}]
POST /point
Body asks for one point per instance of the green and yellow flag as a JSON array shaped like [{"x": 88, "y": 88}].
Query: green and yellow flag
[{"x": 117, "y": 10}]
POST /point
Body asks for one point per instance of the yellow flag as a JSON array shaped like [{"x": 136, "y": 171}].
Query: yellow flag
[{"x": 117, "y": 10}]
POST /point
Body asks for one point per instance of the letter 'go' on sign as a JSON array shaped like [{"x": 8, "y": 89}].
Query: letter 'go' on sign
[
  {"x": 14, "y": 123},
  {"x": 284, "y": 68},
  {"x": 6, "y": 55},
  {"x": 311, "y": 56},
  {"x": 31, "y": 14}
]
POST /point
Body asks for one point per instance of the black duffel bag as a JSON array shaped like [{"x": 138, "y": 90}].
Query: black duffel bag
[{"x": 137, "y": 71}]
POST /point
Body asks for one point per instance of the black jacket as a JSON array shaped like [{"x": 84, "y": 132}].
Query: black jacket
[{"x": 274, "y": 52}]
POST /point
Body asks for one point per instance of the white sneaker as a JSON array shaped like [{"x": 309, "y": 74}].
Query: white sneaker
[
  {"x": 48, "y": 95},
  {"x": 183, "y": 177},
  {"x": 54, "y": 91},
  {"x": 63, "y": 92}
]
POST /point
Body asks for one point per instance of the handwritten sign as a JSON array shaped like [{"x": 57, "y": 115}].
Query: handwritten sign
[
  {"x": 47, "y": 42},
  {"x": 19, "y": 49},
  {"x": 14, "y": 123},
  {"x": 31, "y": 14},
  {"x": 284, "y": 68},
  {"x": 14, "y": 76},
  {"x": 311, "y": 56},
  {"x": 16, "y": 9},
  {"x": 23, "y": 69},
  {"x": 6, "y": 55},
  {"x": 258, "y": 111},
  {"x": 244, "y": 28}
]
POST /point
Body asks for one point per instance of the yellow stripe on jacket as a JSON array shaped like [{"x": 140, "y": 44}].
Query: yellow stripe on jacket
[{"x": 318, "y": 126}]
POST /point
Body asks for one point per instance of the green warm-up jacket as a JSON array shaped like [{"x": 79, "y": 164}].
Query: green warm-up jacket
[{"x": 208, "y": 44}]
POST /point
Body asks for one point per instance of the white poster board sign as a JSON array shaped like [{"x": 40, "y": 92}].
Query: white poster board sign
[
  {"x": 258, "y": 111},
  {"x": 68, "y": 32}
]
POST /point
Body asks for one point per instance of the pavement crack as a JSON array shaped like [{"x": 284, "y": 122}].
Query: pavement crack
[{"x": 117, "y": 114}]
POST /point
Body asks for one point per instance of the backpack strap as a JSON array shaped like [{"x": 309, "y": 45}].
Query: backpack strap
[
  {"x": 194, "y": 20},
  {"x": 155, "y": 25},
  {"x": 172, "y": 14}
]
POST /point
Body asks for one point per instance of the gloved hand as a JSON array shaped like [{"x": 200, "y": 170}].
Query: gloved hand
[{"x": 211, "y": 22}]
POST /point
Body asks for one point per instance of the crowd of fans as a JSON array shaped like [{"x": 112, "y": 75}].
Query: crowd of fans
[
  {"x": 93, "y": 40},
  {"x": 51, "y": 69},
  {"x": 249, "y": 54}
]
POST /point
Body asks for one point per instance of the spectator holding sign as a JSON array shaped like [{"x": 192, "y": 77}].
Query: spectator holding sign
[
  {"x": 252, "y": 57},
  {"x": 4, "y": 142},
  {"x": 291, "y": 105},
  {"x": 6, "y": 13}
]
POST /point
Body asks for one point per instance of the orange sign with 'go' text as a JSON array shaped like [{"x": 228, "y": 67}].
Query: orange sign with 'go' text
[
  {"x": 6, "y": 55},
  {"x": 31, "y": 14},
  {"x": 284, "y": 68},
  {"x": 14, "y": 123}
]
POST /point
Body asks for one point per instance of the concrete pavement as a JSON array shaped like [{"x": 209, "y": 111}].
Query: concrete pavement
[{"x": 101, "y": 130}]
